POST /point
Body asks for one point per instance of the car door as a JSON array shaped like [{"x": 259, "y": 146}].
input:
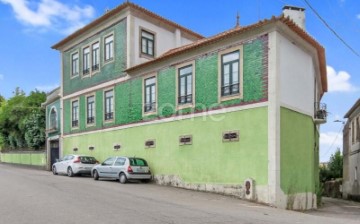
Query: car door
[
  {"x": 105, "y": 170},
  {"x": 118, "y": 166},
  {"x": 60, "y": 166}
]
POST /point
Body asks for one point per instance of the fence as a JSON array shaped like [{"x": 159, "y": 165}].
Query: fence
[{"x": 31, "y": 158}]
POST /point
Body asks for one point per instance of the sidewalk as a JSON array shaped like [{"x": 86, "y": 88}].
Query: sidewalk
[{"x": 338, "y": 208}]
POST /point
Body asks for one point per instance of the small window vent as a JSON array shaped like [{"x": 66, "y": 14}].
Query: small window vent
[
  {"x": 185, "y": 140},
  {"x": 117, "y": 147},
  {"x": 150, "y": 143},
  {"x": 91, "y": 147},
  {"x": 75, "y": 149},
  {"x": 231, "y": 136}
]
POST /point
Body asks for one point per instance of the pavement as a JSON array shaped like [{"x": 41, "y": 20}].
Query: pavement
[{"x": 338, "y": 208}]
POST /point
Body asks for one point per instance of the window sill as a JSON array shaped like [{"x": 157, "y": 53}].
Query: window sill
[
  {"x": 230, "y": 97},
  {"x": 184, "y": 106},
  {"x": 147, "y": 56}
]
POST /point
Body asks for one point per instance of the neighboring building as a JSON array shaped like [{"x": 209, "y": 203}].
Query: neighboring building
[
  {"x": 53, "y": 126},
  {"x": 351, "y": 153},
  {"x": 236, "y": 113}
]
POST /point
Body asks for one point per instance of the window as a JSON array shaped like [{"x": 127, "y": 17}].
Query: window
[
  {"x": 150, "y": 95},
  {"x": 75, "y": 64},
  {"x": 185, "y": 85},
  {"x": 120, "y": 162},
  {"x": 109, "y": 105},
  {"x": 53, "y": 119},
  {"x": 109, "y": 161},
  {"x": 353, "y": 132},
  {"x": 95, "y": 57},
  {"x": 86, "y": 61},
  {"x": 185, "y": 140},
  {"x": 147, "y": 43},
  {"x": 75, "y": 114},
  {"x": 357, "y": 129},
  {"x": 90, "y": 110},
  {"x": 230, "y": 74},
  {"x": 109, "y": 48}
]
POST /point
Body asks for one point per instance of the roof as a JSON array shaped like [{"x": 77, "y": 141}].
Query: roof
[
  {"x": 239, "y": 30},
  {"x": 116, "y": 10},
  {"x": 353, "y": 108}
]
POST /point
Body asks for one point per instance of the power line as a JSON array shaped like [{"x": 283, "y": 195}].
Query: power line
[{"x": 331, "y": 29}]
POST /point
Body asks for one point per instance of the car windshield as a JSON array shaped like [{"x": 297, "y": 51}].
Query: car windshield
[
  {"x": 87, "y": 160},
  {"x": 137, "y": 162}
]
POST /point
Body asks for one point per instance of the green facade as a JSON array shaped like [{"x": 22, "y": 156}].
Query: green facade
[
  {"x": 298, "y": 151},
  {"x": 108, "y": 71},
  {"x": 49, "y": 107},
  {"x": 128, "y": 98},
  {"x": 207, "y": 160}
]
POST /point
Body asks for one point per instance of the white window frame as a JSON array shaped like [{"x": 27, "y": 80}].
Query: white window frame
[
  {"x": 87, "y": 110},
  {"x": 240, "y": 69},
  {"x": 146, "y": 113},
  {"x": 143, "y": 54},
  {"x": 77, "y": 113},
  {"x": 51, "y": 127},
  {"x": 93, "y": 72},
  {"x": 77, "y": 67},
  {"x": 178, "y": 67},
  {"x": 88, "y": 61},
  {"x": 111, "y": 59},
  {"x": 104, "y": 105}
]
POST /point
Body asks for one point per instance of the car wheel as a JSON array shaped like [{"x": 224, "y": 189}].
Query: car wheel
[
  {"x": 122, "y": 178},
  {"x": 54, "y": 170},
  {"x": 70, "y": 172},
  {"x": 96, "y": 175}
]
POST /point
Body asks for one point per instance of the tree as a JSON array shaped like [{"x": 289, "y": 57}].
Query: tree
[
  {"x": 336, "y": 164},
  {"x": 22, "y": 121}
]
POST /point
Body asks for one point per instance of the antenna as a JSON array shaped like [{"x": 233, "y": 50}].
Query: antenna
[{"x": 237, "y": 20}]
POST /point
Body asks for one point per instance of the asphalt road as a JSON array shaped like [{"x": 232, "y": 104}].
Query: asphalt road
[{"x": 33, "y": 196}]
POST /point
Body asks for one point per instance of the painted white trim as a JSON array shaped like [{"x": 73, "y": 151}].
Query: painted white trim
[
  {"x": 97, "y": 87},
  {"x": 105, "y": 62},
  {"x": 49, "y": 117},
  {"x": 177, "y": 118},
  {"x": 87, "y": 109},
  {"x": 274, "y": 120},
  {"x": 178, "y": 67},
  {"x": 152, "y": 75},
  {"x": 104, "y": 105}
]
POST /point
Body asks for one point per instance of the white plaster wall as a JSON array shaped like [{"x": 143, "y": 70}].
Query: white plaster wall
[
  {"x": 297, "y": 77},
  {"x": 164, "y": 40}
]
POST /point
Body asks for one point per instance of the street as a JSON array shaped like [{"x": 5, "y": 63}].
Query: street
[{"x": 34, "y": 196}]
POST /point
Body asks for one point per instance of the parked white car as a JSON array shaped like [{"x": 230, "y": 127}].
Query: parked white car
[
  {"x": 123, "y": 169},
  {"x": 74, "y": 164}
]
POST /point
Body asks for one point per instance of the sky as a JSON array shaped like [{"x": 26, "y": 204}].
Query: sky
[{"x": 29, "y": 28}]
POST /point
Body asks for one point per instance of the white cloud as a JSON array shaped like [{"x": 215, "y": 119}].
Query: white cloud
[
  {"x": 51, "y": 14},
  {"x": 339, "y": 81},
  {"x": 47, "y": 88},
  {"x": 358, "y": 16},
  {"x": 2, "y": 77}
]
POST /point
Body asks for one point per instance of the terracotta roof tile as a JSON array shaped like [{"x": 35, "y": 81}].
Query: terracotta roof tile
[{"x": 239, "y": 30}]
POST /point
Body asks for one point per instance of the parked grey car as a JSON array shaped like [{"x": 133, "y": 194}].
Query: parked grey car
[
  {"x": 123, "y": 169},
  {"x": 74, "y": 164}
]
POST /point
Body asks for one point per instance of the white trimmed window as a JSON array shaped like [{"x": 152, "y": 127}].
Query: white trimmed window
[
  {"x": 109, "y": 105},
  {"x": 230, "y": 74},
  {"x": 75, "y": 113},
  {"x": 109, "y": 48},
  {"x": 95, "y": 63},
  {"x": 147, "y": 43},
  {"x": 53, "y": 119},
  {"x": 86, "y": 61},
  {"x": 150, "y": 95},
  {"x": 185, "y": 85},
  {"x": 75, "y": 64},
  {"x": 90, "y": 110}
]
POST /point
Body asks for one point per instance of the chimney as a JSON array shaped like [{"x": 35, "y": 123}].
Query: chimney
[{"x": 296, "y": 14}]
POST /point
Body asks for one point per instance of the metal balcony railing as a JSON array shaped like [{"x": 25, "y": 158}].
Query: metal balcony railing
[{"x": 320, "y": 113}]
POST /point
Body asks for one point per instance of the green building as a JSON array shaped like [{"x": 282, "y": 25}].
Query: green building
[{"x": 236, "y": 113}]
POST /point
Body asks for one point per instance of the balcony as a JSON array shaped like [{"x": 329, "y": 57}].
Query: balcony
[{"x": 320, "y": 113}]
